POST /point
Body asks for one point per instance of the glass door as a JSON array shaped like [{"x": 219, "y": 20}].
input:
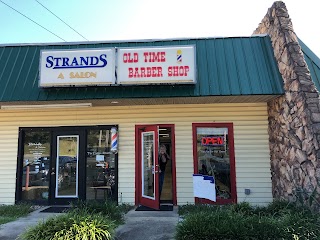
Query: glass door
[
  {"x": 149, "y": 167},
  {"x": 67, "y": 163},
  {"x": 65, "y": 173}
]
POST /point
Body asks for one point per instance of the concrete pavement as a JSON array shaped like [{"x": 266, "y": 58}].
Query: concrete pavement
[
  {"x": 146, "y": 225},
  {"x": 12, "y": 230}
]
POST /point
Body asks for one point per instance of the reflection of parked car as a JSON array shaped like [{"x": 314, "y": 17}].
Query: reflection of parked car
[
  {"x": 66, "y": 159},
  {"x": 38, "y": 171}
]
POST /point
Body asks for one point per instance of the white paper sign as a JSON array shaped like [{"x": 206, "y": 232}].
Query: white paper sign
[
  {"x": 99, "y": 157},
  {"x": 156, "y": 65},
  {"x": 204, "y": 187},
  {"x": 89, "y": 67}
]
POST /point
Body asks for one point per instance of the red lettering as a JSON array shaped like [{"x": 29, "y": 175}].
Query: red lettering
[
  {"x": 154, "y": 71},
  {"x": 163, "y": 57},
  {"x": 178, "y": 71},
  {"x": 128, "y": 58},
  {"x": 130, "y": 72},
  {"x": 154, "y": 56},
  {"x": 145, "y": 54},
  {"x": 125, "y": 57},
  {"x": 142, "y": 72},
  {"x": 160, "y": 72},
  {"x": 135, "y": 57},
  {"x": 148, "y": 72},
  {"x": 136, "y": 72},
  {"x": 170, "y": 71},
  {"x": 175, "y": 71},
  {"x": 186, "y": 70},
  {"x": 212, "y": 141}
]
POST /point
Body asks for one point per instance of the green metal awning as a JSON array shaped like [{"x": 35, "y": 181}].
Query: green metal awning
[
  {"x": 237, "y": 66},
  {"x": 313, "y": 63}
]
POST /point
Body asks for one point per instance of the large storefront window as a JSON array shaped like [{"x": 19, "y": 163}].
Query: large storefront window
[
  {"x": 36, "y": 162},
  {"x": 59, "y": 165},
  {"x": 213, "y": 146},
  {"x": 101, "y": 182}
]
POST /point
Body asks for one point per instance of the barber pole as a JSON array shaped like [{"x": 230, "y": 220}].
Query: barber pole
[{"x": 114, "y": 140}]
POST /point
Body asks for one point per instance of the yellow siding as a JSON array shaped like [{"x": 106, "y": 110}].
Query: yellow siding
[{"x": 250, "y": 133}]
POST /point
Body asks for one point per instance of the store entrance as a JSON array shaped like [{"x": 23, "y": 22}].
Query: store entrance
[
  {"x": 67, "y": 165},
  {"x": 59, "y": 165},
  {"x": 155, "y": 165}
]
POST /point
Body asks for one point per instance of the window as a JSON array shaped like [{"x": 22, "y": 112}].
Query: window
[
  {"x": 101, "y": 163},
  {"x": 36, "y": 165},
  {"x": 214, "y": 156},
  {"x": 62, "y": 163}
]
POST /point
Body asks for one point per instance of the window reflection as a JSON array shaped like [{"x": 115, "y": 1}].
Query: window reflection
[
  {"x": 100, "y": 166},
  {"x": 35, "y": 178},
  {"x": 67, "y": 167},
  {"x": 214, "y": 159},
  {"x": 148, "y": 165}
]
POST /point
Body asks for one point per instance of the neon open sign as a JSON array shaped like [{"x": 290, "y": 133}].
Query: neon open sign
[{"x": 212, "y": 141}]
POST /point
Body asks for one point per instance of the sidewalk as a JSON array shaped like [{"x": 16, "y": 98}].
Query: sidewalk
[
  {"x": 148, "y": 225},
  {"x": 11, "y": 230}
]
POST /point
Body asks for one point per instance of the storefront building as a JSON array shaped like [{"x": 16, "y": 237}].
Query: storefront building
[{"x": 89, "y": 120}]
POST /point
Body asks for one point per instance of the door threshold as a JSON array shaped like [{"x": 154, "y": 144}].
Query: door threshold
[{"x": 166, "y": 204}]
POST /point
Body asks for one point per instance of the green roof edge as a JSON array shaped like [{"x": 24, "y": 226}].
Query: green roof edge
[{"x": 306, "y": 50}]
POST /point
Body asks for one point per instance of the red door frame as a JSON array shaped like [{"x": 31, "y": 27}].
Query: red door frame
[
  {"x": 138, "y": 166},
  {"x": 232, "y": 160}
]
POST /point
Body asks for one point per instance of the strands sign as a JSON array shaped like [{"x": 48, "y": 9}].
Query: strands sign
[
  {"x": 156, "y": 65},
  {"x": 77, "y": 67}
]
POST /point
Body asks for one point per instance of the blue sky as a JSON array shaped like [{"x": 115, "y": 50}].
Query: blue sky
[{"x": 146, "y": 19}]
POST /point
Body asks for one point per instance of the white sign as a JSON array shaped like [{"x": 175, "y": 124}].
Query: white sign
[
  {"x": 77, "y": 67},
  {"x": 99, "y": 158},
  {"x": 156, "y": 65},
  {"x": 204, "y": 187}
]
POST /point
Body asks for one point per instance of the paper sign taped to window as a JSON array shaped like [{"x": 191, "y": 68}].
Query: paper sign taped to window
[
  {"x": 204, "y": 187},
  {"x": 99, "y": 157}
]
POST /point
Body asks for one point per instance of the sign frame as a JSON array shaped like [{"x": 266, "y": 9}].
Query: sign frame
[
  {"x": 111, "y": 63},
  {"x": 157, "y": 82}
]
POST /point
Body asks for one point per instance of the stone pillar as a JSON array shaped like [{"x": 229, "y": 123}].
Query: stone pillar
[{"x": 294, "y": 119}]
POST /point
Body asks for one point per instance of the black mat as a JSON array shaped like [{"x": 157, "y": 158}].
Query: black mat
[
  {"x": 162, "y": 208},
  {"x": 55, "y": 209}
]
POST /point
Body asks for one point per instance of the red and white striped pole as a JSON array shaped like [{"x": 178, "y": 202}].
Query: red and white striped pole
[{"x": 114, "y": 140}]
